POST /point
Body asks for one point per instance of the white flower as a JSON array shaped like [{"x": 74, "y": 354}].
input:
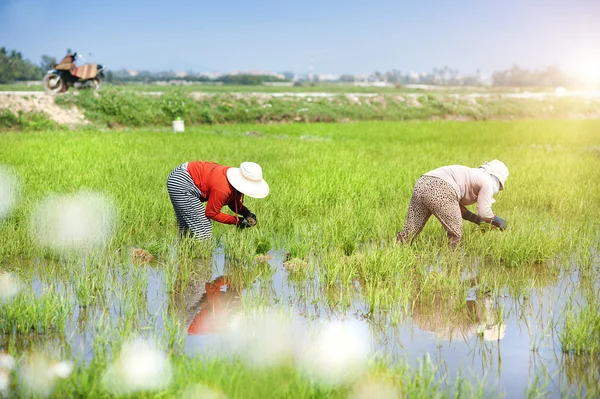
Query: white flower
[
  {"x": 62, "y": 369},
  {"x": 7, "y": 362},
  {"x": 140, "y": 366},
  {"x": 9, "y": 190},
  {"x": 4, "y": 381},
  {"x": 39, "y": 374},
  {"x": 263, "y": 339},
  {"x": 375, "y": 389},
  {"x": 338, "y": 353},
  {"x": 198, "y": 391},
  {"x": 9, "y": 286},
  {"x": 80, "y": 221}
]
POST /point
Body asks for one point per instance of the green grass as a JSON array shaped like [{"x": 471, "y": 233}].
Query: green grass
[
  {"x": 339, "y": 193},
  {"x": 118, "y": 108},
  {"x": 28, "y": 313},
  {"x": 25, "y": 121},
  {"x": 304, "y": 88},
  {"x": 332, "y": 184},
  {"x": 21, "y": 87}
]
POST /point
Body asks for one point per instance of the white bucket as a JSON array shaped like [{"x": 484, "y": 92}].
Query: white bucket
[{"x": 178, "y": 126}]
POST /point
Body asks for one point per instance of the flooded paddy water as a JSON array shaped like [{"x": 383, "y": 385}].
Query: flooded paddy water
[{"x": 507, "y": 338}]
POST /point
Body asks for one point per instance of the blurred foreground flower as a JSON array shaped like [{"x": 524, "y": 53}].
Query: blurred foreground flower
[
  {"x": 140, "y": 366},
  {"x": 375, "y": 389},
  {"x": 338, "y": 353},
  {"x": 9, "y": 190},
  {"x": 4, "y": 382},
  {"x": 7, "y": 363},
  {"x": 264, "y": 339},
  {"x": 9, "y": 286},
  {"x": 81, "y": 221},
  {"x": 39, "y": 374},
  {"x": 198, "y": 391}
]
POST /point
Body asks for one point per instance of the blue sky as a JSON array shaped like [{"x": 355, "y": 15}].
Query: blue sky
[{"x": 341, "y": 36}]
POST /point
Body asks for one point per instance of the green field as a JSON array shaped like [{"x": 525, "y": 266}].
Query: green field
[
  {"x": 302, "y": 88},
  {"x": 339, "y": 193}
]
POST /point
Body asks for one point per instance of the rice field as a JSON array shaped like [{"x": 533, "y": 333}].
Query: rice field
[{"x": 317, "y": 300}]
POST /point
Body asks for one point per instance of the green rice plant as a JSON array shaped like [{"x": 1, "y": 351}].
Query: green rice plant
[
  {"x": 89, "y": 281},
  {"x": 28, "y": 312},
  {"x": 339, "y": 195},
  {"x": 581, "y": 331},
  {"x": 580, "y": 371},
  {"x": 174, "y": 334},
  {"x": 263, "y": 245}
]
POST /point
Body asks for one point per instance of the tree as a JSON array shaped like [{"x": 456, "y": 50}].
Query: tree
[
  {"x": 14, "y": 68},
  {"x": 46, "y": 62},
  {"x": 517, "y": 76},
  {"x": 289, "y": 75}
]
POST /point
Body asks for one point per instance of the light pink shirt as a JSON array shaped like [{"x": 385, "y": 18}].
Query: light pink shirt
[{"x": 471, "y": 185}]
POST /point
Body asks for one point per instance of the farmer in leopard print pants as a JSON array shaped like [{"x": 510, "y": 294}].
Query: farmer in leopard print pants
[{"x": 445, "y": 192}]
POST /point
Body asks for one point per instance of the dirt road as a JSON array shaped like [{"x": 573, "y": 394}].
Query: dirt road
[{"x": 39, "y": 101}]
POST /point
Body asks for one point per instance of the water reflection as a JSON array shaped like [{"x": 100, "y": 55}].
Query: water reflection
[
  {"x": 449, "y": 320},
  {"x": 503, "y": 329},
  {"x": 218, "y": 304}
]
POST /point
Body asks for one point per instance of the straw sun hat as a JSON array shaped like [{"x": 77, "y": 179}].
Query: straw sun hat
[
  {"x": 498, "y": 169},
  {"x": 248, "y": 180}
]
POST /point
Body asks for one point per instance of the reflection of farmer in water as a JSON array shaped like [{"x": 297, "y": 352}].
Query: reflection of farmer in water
[
  {"x": 445, "y": 192},
  {"x": 192, "y": 184},
  {"x": 217, "y": 305},
  {"x": 477, "y": 317}
]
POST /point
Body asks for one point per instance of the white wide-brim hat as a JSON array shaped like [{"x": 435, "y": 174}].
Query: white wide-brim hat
[
  {"x": 498, "y": 169},
  {"x": 248, "y": 180}
]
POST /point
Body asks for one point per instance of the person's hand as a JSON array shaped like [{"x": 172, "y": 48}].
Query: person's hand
[
  {"x": 243, "y": 224},
  {"x": 251, "y": 219},
  {"x": 499, "y": 223}
]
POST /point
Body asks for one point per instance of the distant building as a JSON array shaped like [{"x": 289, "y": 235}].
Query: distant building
[
  {"x": 258, "y": 73},
  {"x": 210, "y": 75},
  {"x": 328, "y": 77}
]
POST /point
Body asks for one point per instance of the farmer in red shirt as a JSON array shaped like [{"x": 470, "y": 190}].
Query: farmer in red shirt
[{"x": 194, "y": 183}]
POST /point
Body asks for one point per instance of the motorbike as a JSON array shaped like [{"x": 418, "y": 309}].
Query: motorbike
[{"x": 66, "y": 74}]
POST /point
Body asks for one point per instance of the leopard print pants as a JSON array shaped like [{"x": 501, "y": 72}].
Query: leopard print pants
[{"x": 432, "y": 196}]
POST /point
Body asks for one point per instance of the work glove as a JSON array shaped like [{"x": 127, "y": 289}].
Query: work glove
[
  {"x": 499, "y": 223},
  {"x": 243, "y": 223},
  {"x": 471, "y": 217},
  {"x": 251, "y": 219}
]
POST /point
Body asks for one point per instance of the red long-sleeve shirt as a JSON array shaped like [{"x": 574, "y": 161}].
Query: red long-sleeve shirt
[{"x": 211, "y": 180}]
